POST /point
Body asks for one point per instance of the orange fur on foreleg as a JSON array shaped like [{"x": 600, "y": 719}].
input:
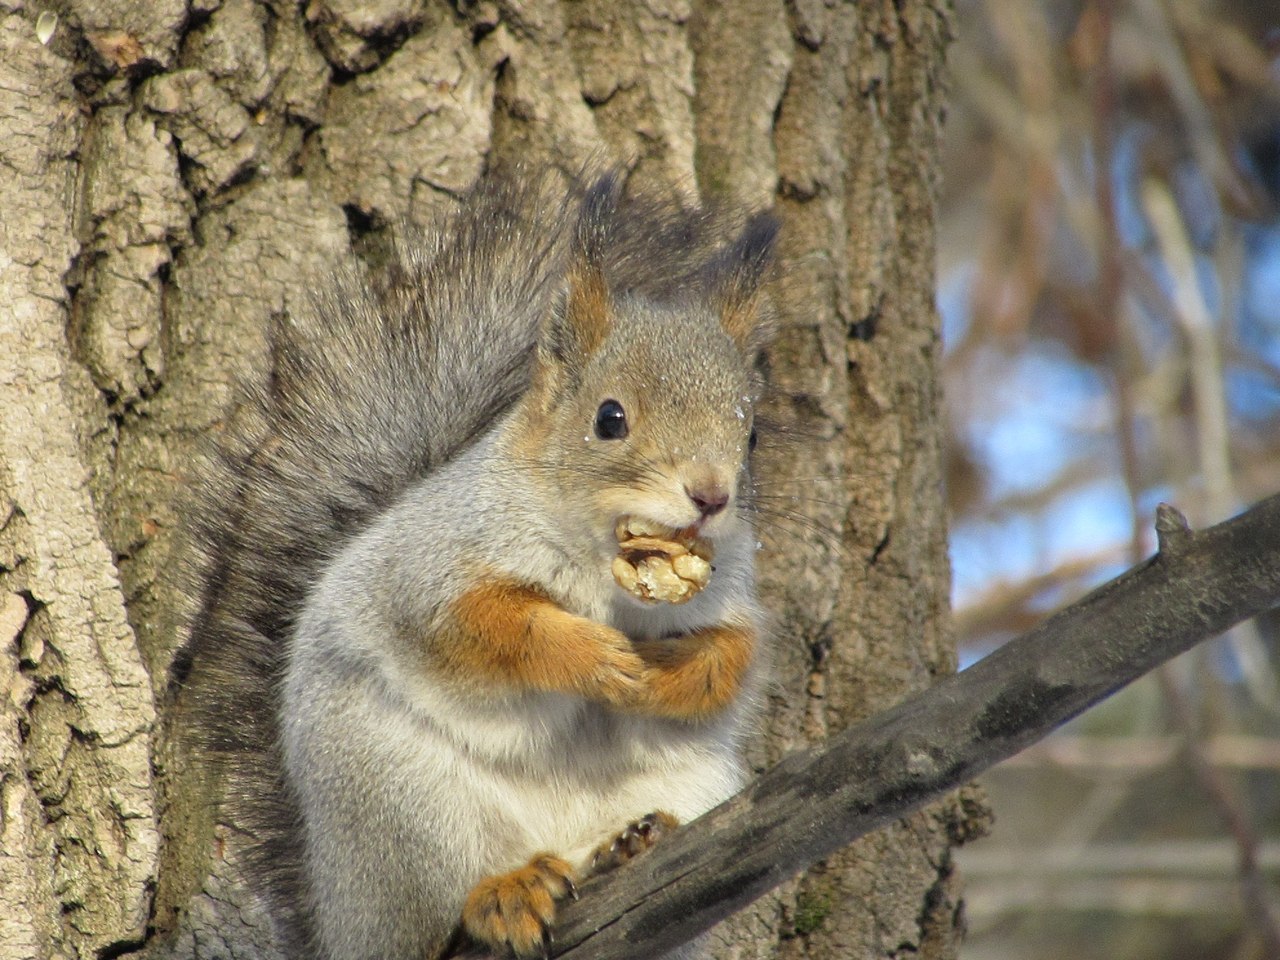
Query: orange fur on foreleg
[
  {"x": 698, "y": 674},
  {"x": 511, "y": 635}
]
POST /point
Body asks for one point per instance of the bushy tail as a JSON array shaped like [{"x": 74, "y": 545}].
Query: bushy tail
[{"x": 375, "y": 386}]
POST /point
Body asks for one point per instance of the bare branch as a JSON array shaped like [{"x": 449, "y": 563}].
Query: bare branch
[
  {"x": 1138, "y": 756},
  {"x": 817, "y": 801}
]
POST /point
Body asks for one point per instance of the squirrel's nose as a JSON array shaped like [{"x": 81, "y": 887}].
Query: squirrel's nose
[{"x": 708, "y": 500}]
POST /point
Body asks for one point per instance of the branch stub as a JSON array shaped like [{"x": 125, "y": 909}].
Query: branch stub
[{"x": 1173, "y": 532}]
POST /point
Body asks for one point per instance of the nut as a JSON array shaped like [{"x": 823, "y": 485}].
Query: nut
[{"x": 660, "y": 565}]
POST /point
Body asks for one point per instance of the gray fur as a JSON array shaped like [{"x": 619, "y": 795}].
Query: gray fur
[{"x": 352, "y": 492}]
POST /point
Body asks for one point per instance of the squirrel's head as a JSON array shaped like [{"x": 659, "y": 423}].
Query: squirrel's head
[{"x": 644, "y": 406}]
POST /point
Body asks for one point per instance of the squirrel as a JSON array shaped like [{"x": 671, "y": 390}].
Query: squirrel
[{"x": 437, "y": 706}]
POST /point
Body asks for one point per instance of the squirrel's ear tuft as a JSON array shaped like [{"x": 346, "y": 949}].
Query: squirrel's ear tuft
[
  {"x": 596, "y": 217},
  {"x": 580, "y": 324},
  {"x": 588, "y": 311},
  {"x": 588, "y": 308},
  {"x": 735, "y": 278}
]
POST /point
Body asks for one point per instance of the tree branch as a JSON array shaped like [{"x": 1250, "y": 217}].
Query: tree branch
[{"x": 817, "y": 801}]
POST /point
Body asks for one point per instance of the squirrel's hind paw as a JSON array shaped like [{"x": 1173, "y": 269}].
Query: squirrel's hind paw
[
  {"x": 515, "y": 910},
  {"x": 634, "y": 839}
]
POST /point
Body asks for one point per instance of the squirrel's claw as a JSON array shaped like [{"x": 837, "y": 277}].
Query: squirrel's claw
[{"x": 634, "y": 839}]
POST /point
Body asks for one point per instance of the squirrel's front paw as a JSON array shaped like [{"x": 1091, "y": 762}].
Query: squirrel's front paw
[
  {"x": 602, "y": 661},
  {"x": 515, "y": 910},
  {"x": 634, "y": 839},
  {"x": 695, "y": 676},
  {"x": 622, "y": 678}
]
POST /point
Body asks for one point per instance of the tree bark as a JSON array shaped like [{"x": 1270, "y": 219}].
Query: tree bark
[{"x": 177, "y": 171}]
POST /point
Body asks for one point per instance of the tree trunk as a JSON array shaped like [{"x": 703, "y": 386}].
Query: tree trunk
[{"x": 177, "y": 173}]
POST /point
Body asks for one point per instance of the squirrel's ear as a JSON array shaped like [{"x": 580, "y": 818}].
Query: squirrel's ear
[
  {"x": 577, "y": 329},
  {"x": 735, "y": 277}
]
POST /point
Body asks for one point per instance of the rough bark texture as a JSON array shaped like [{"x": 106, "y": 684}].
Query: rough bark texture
[{"x": 177, "y": 171}]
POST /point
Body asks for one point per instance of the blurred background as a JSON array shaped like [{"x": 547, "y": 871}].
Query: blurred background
[{"x": 1109, "y": 280}]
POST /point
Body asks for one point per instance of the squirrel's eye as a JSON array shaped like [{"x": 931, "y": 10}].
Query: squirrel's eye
[
  {"x": 752, "y": 440},
  {"x": 611, "y": 421}
]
